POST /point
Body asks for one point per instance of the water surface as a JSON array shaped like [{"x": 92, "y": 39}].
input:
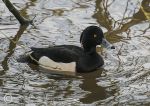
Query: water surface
[{"x": 123, "y": 80}]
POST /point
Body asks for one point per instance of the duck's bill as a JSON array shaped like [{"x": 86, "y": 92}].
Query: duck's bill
[{"x": 106, "y": 44}]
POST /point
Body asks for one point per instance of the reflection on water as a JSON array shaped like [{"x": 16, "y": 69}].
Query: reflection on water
[
  {"x": 103, "y": 17},
  {"x": 12, "y": 46},
  {"x": 145, "y": 7},
  {"x": 1, "y": 82},
  {"x": 124, "y": 79},
  {"x": 94, "y": 91},
  {"x": 89, "y": 84}
]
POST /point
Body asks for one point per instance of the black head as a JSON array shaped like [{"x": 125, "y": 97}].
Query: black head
[{"x": 91, "y": 37}]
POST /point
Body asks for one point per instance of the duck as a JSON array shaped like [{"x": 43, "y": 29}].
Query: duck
[{"x": 71, "y": 58}]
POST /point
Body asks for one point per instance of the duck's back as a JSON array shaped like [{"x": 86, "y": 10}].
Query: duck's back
[{"x": 63, "y": 53}]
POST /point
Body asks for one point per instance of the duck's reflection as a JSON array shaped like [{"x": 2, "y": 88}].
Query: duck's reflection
[
  {"x": 90, "y": 84},
  {"x": 1, "y": 82}
]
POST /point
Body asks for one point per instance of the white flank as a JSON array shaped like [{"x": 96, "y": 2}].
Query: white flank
[{"x": 49, "y": 64}]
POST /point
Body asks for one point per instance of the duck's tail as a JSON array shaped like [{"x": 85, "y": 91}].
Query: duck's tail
[{"x": 26, "y": 58}]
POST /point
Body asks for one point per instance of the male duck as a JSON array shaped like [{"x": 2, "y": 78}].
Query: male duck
[{"x": 73, "y": 58}]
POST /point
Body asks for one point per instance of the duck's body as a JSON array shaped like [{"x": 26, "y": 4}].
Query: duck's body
[
  {"x": 69, "y": 54},
  {"x": 77, "y": 59}
]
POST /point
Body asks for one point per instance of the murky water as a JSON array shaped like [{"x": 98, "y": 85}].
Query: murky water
[{"x": 123, "y": 80}]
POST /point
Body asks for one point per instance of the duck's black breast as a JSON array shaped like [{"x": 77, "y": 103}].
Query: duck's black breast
[
  {"x": 62, "y": 53},
  {"x": 88, "y": 63}
]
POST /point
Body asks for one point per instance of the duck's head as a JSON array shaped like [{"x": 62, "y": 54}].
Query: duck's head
[{"x": 93, "y": 36}]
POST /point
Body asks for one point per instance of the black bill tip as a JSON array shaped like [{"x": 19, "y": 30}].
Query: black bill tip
[{"x": 112, "y": 47}]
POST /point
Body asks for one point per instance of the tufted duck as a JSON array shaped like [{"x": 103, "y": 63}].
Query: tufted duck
[{"x": 72, "y": 58}]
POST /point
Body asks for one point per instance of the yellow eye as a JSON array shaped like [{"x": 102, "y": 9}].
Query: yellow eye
[{"x": 95, "y": 36}]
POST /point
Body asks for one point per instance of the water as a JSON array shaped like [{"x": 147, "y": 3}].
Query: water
[{"x": 123, "y": 80}]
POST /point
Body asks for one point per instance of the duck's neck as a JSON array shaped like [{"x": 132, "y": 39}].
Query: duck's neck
[{"x": 90, "y": 51}]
